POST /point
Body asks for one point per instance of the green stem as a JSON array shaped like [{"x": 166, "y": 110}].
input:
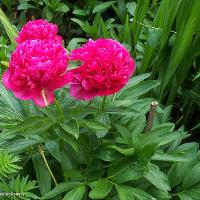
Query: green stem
[
  {"x": 59, "y": 108},
  {"x": 104, "y": 104}
]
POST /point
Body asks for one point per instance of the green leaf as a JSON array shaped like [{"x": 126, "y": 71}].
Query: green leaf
[
  {"x": 94, "y": 125},
  {"x": 131, "y": 193},
  {"x": 139, "y": 89},
  {"x": 101, "y": 189},
  {"x": 74, "y": 43},
  {"x": 24, "y": 5},
  {"x": 33, "y": 125},
  {"x": 48, "y": 13},
  {"x": 163, "y": 21},
  {"x": 10, "y": 30},
  {"x": 11, "y": 102},
  {"x": 42, "y": 174},
  {"x": 75, "y": 194},
  {"x": 126, "y": 134},
  {"x": 102, "y": 6},
  {"x": 67, "y": 138},
  {"x": 160, "y": 194},
  {"x": 80, "y": 12},
  {"x": 109, "y": 155},
  {"x": 154, "y": 36},
  {"x": 17, "y": 185},
  {"x": 184, "y": 196},
  {"x": 74, "y": 174},
  {"x": 54, "y": 149},
  {"x": 79, "y": 22},
  {"x": 197, "y": 76},
  {"x": 62, "y": 7},
  {"x": 139, "y": 16},
  {"x": 126, "y": 170},
  {"x": 192, "y": 178},
  {"x": 182, "y": 42},
  {"x": 170, "y": 157},
  {"x": 72, "y": 128},
  {"x": 192, "y": 194},
  {"x": 20, "y": 145},
  {"x": 60, "y": 188},
  {"x": 131, "y": 7},
  {"x": 158, "y": 178},
  {"x": 126, "y": 152},
  {"x": 104, "y": 29},
  {"x": 8, "y": 164}
]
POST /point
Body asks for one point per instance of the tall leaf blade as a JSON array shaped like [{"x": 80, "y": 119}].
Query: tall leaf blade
[
  {"x": 12, "y": 33},
  {"x": 141, "y": 9},
  {"x": 182, "y": 42}
]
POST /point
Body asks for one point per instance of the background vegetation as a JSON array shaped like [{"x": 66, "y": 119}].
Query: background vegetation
[{"x": 163, "y": 36}]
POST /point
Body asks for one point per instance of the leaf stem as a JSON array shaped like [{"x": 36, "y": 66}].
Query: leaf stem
[
  {"x": 59, "y": 108},
  {"x": 46, "y": 163},
  {"x": 104, "y": 103}
]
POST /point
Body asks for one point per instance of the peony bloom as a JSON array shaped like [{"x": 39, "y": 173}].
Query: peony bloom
[
  {"x": 38, "y": 30},
  {"x": 36, "y": 69},
  {"x": 106, "y": 68}
]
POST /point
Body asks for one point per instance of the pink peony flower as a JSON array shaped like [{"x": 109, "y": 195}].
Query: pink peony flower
[
  {"x": 106, "y": 68},
  {"x": 38, "y": 30},
  {"x": 36, "y": 69}
]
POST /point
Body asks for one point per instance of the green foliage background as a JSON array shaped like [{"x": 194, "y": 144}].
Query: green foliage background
[{"x": 100, "y": 150}]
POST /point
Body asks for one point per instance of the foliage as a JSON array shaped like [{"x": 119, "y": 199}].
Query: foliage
[
  {"x": 19, "y": 189},
  {"x": 100, "y": 149},
  {"x": 8, "y": 165},
  {"x": 164, "y": 43}
]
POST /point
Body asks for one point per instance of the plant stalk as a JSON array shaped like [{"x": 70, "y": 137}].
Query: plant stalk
[
  {"x": 46, "y": 163},
  {"x": 151, "y": 115}
]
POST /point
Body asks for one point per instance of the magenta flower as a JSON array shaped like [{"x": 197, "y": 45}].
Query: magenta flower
[
  {"x": 38, "y": 30},
  {"x": 36, "y": 69},
  {"x": 106, "y": 68}
]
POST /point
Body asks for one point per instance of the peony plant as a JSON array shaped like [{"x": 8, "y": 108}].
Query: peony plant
[
  {"x": 86, "y": 133},
  {"x": 38, "y": 66}
]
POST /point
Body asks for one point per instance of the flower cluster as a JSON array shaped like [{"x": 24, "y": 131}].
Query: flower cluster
[{"x": 38, "y": 66}]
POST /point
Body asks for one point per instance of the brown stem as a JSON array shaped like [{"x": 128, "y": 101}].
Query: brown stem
[
  {"x": 46, "y": 163},
  {"x": 151, "y": 115}
]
